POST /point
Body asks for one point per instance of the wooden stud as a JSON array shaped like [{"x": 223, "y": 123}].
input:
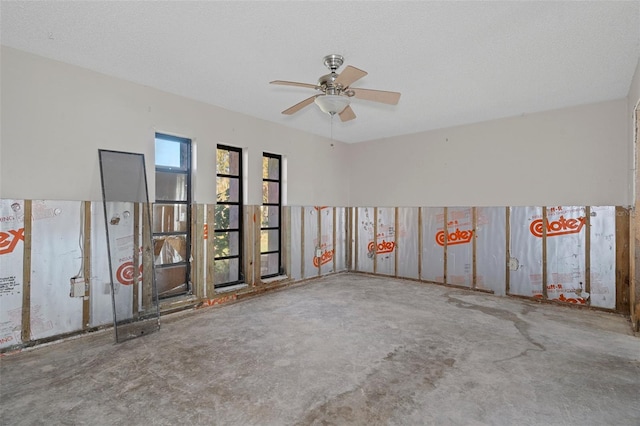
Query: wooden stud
[
  {"x": 86, "y": 271},
  {"x": 587, "y": 252},
  {"x": 211, "y": 250},
  {"x": 395, "y": 230},
  {"x": 335, "y": 226},
  {"x": 147, "y": 260},
  {"x": 286, "y": 235},
  {"x": 26, "y": 272},
  {"x": 375, "y": 240},
  {"x": 474, "y": 248},
  {"x": 355, "y": 242},
  {"x": 544, "y": 252},
  {"x": 302, "y": 242},
  {"x": 420, "y": 241},
  {"x": 446, "y": 238},
  {"x": 348, "y": 223},
  {"x": 319, "y": 239},
  {"x": 622, "y": 261},
  {"x": 135, "y": 259},
  {"x": 507, "y": 225},
  {"x": 257, "y": 248},
  {"x": 198, "y": 243}
]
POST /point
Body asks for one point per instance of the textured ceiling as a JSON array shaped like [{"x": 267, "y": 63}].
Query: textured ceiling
[{"x": 453, "y": 62}]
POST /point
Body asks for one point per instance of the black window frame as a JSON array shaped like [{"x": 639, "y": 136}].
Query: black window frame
[
  {"x": 279, "y": 206},
  {"x": 240, "y": 229},
  {"x": 184, "y": 169}
]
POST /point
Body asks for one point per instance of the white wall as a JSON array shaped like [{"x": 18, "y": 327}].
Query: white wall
[
  {"x": 573, "y": 156},
  {"x": 56, "y": 116}
]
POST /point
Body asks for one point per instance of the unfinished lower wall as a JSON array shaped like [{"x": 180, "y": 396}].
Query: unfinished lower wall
[{"x": 569, "y": 254}]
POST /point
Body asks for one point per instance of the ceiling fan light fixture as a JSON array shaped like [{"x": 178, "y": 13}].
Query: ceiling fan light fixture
[{"x": 332, "y": 104}]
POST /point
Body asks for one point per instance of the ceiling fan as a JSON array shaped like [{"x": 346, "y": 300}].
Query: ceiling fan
[{"x": 337, "y": 91}]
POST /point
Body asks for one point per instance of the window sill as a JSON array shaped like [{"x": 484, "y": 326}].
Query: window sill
[
  {"x": 274, "y": 279},
  {"x": 231, "y": 288}
]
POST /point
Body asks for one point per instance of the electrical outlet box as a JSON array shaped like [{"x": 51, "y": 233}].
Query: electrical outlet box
[
  {"x": 318, "y": 252},
  {"x": 78, "y": 287}
]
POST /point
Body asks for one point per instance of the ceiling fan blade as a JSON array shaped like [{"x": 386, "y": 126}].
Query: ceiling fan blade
[
  {"x": 349, "y": 75},
  {"x": 347, "y": 114},
  {"x": 297, "y": 107},
  {"x": 293, "y": 83},
  {"x": 382, "y": 96}
]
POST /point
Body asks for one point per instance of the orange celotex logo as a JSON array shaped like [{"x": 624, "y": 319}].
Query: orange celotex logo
[
  {"x": 383, "y": 247},
  {"x": 326, "y": 257},
  {"x": 561, "y": 226},
  {"x": 9, "y": 240},
  {"x": 453, "y": 238}
]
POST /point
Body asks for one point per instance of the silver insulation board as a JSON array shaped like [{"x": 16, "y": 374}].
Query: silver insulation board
[
  {"x": 459, "y": 246},
  {"x": 385, "y": 242},
  {"x": 525, "y": 265},
  {"x": 326, "y": 246},
  {"x": 491, "y": 248},
  {"x": 407, "y": 242},
  {"x": 603, "y": 257},
  {"x": 11, "y": 271},
  {"x": 366, "y": 235},
  {"x": 432, "y": 244},
  {"x": 311, "y": 241},
  {"x": 296, "y": 213}
]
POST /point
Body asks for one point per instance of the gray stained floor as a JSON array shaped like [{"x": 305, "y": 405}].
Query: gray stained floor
[{"x": 345, "y": 349}]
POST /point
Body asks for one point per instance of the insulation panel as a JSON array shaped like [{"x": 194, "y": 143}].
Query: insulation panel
[
  {"x": 432, "y": 246},
  {"x": 11, "y": 272}
]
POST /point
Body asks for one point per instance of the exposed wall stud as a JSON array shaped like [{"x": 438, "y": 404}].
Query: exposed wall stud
[
  {"x": 26, "y": 273},
  {"x": 474, "y": 247},
  {"x": 86, "y": 262},
  {"x": 544, "y": 252}
]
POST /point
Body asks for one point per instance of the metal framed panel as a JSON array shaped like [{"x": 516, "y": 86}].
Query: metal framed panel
[{"x": 124, "y": 184}]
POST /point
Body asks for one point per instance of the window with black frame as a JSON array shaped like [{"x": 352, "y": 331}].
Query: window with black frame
[
  {"x": 228, "y": 217},
  {"x": 172, "y": 215},
  {"x": 270, "y": 227}
]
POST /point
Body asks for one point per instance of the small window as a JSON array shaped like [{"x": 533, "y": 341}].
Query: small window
[
  {"x": 270, "y": 227},
  {"x": 228, "y": 217},
  {"x": 172, "y": 215}
]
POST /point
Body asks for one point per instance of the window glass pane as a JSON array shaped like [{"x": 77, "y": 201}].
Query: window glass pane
[
  {"x": 168, "y": 153},
  {"x": 269, "y": 264},
  {"x": 270, "y": 216},
  {"x": 169, "y": 218},
  {"x": 171, "y": 281},
  {"x": 169, "y": 249},
  {"x": 226, "y": 271},
  {"x": 171, "y": 186},
  {"x": 228, "y": 190},
  {"x": 271, "y": 192},
  {"x": 270, "y": 168},
  {"x": 269, "y": 240},
  {"x": 227, "y": 243},
  {"x": 227, "y": 217},
  {"x": 228, "y": 162}
]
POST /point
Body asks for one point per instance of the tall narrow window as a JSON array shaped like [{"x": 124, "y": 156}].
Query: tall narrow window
[
  {"x": 172, "y": 215},
  {"x": 228, "y": 220},
  {"x": 270, "y": 235}
]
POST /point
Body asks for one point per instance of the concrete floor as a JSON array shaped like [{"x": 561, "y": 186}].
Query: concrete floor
[{"x": 345, "y": 349}]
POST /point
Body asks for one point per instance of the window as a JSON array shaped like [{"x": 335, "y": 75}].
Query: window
[
  {"x": 228, "y": 217},
  {"x": 270, "y": 231},
  {"x": 172, "y": 215}
]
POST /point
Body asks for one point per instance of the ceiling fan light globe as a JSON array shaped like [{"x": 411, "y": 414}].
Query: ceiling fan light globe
[{"x": 332, "y": 104}]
